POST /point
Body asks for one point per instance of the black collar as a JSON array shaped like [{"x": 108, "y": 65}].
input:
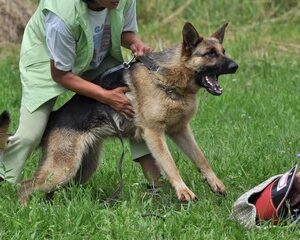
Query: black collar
[
  {"x": 149, "y": 63},
  {"x": 171, "y": 91}
]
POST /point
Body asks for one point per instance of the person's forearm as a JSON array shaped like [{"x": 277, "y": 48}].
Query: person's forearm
[
  {"x": 78, "y": 85},
  {"x": 129, "y": 38},
  {"x": 115, "y": 98},
  {"x": 131, "y": 41}
]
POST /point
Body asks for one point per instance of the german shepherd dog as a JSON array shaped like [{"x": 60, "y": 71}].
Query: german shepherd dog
[{"x": 164, "y": 101}]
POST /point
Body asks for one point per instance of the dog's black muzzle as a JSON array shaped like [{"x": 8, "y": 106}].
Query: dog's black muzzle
[
  {"x": 228, "y": 66},
  {"x": 208, "y": 77}
]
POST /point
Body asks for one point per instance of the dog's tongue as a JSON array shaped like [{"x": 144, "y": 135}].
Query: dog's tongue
[{"x": 211, "y": 85}]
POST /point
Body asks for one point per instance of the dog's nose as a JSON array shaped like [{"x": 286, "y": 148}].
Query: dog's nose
[{"x": 233, "y": 67}]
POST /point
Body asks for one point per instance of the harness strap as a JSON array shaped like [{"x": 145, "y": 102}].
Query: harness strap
[
  {"x": 171, "y": 91},
  {"x": 149, "y": 63},
  {"x": 119, "y": 188},
  {"x": 124, "y": 65},
  {"x": 112, "y": 70}
]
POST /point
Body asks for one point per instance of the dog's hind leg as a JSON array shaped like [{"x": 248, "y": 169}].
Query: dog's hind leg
[
  {"x": 186, "y": 141},
  {"x": 157, "y": 144},
  {"x": 89, "y": 164},
  {"x": 62, "y": 156}
]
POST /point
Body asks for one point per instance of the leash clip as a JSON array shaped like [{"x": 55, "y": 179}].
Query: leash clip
[{"x": 127, "y": 64}]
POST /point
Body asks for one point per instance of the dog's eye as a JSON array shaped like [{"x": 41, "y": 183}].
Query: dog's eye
[{"x": 211, "y": 53}]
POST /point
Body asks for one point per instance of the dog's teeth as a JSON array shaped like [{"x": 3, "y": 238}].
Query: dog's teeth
[{"x": 208, "y": 81}]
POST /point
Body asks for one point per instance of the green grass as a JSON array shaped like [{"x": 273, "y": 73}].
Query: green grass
[{"x": 249, "y": 133}]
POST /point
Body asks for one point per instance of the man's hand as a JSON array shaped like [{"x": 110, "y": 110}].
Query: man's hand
[
  {"x": 117, "y": 99},
  {"x": 131, "y": 41},
  {"x": 139, "y": 48}
]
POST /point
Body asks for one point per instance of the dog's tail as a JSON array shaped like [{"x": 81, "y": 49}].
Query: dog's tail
[{"x": 4, "y": 124}]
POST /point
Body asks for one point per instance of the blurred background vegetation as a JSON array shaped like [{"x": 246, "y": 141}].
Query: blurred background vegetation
[
  {"x": 249, "y": 133},
  {"x": 160, "y": 21},
  {"x": 254, "y": 25}
]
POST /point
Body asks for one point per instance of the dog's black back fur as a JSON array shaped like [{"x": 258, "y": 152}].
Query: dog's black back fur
[{"x": 82, "y": 113}]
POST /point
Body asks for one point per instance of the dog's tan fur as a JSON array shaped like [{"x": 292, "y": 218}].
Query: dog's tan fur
[
  {"x": 164, "y": 102},
  {"x": 157, "y": 115}
]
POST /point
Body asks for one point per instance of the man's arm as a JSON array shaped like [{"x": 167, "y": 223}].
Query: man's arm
[
  {"x": 61, "y": 46},
  {"x": 131, "y": 41},
  {"x": 129, "y": 37},
  {"x": 114, "y": 98}
]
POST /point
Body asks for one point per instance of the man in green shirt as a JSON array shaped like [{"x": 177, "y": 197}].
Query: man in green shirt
[{"x": 65, "y": 44}]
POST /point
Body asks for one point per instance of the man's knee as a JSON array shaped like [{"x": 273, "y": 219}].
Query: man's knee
[
  {"x": 32, "y": 139},
  {"x": 138, "y": 150}
]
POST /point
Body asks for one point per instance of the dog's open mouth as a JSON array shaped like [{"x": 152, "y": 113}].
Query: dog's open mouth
[{"x": 210, "y": 83}]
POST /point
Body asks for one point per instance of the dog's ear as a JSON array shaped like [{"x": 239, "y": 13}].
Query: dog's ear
[
  {"x": 220, "y": 33},
  {"x": 191, "y": 38}
]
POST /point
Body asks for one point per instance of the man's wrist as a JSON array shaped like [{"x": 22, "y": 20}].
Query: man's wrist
[
  {"x": 103, "y": 95},
  {"x": 129, "y": 38}
]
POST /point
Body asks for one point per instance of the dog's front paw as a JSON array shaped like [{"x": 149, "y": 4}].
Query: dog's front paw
[
  {"x": 184, "y": 194},
  {"x": 215, "y": 184}
]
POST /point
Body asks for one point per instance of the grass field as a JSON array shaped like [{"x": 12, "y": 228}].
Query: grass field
[{"x": 249, "y": 133}]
